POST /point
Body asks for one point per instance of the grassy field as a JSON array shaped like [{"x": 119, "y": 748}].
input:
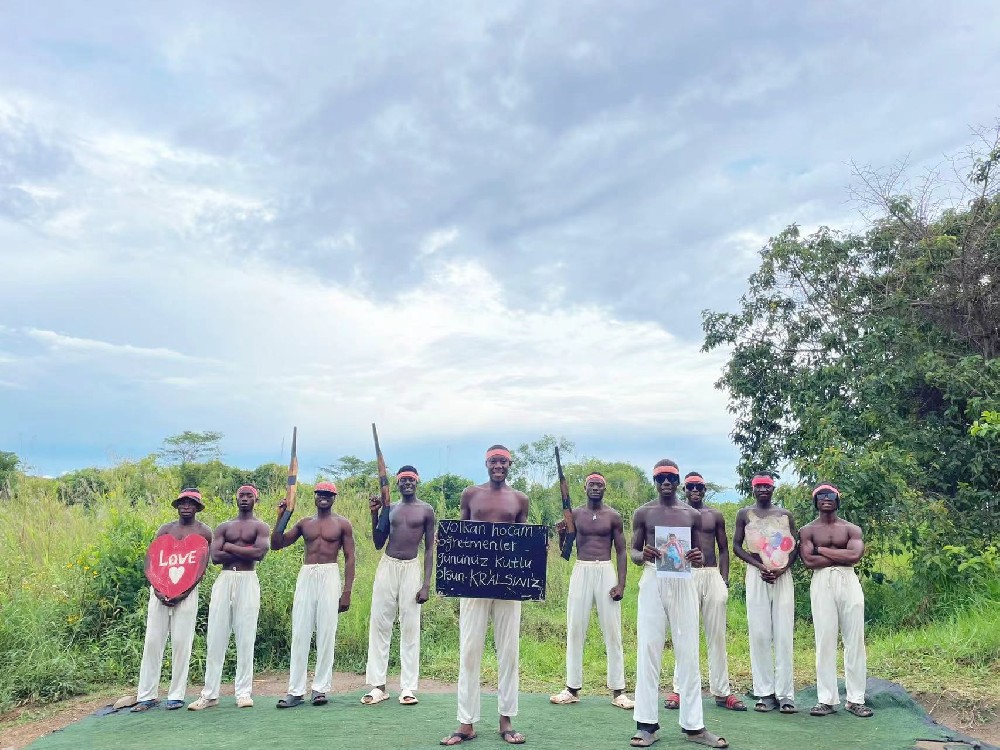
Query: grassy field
[{"x": 73, "y": 598}]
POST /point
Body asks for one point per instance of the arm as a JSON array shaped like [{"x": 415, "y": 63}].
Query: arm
[
  {"x": 849, "y": 556},
  {"x": 255, "y": 551},
  {"x": 722, "y": 542},
  {"x": 429, "y": 523},
  {"x": 807, "y": 550},
  {"x": 739, "y": 535},
  {"x": 694, "y": 555},
  {"x": 466, "y": 514},
  {"x": 281, "y": 538},
  {"x": 640, "y": 552},
  {"x": 522, "y": 511},
  {"x": 347, "y": 545},
  {"x": 561, "y": 530},
  {"x": 215, "y": 551},
  {"x": 375, "y": 507},
  {"x": 618, "y": 539}
]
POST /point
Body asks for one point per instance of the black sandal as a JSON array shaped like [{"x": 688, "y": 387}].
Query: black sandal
[
  {"x": 766, "y": 703},
  {"x": 822, "y": 709}
]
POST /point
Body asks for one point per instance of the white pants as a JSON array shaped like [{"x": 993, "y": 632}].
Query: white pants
[
  {"x": 771, "y": 622},
  {"x": 474, "y": 614},
  {"x": 713, "y": 595},
  {"x": 161, "y": 621},
  {"x": 234, "y": 608},
  {"x": 663, "y": 600},
  {"x": 839, "y": 603},
  {"x": 317, "y": 598},
  {"x": 592, "y": 582},
  {"x": 396, "y": 585}
]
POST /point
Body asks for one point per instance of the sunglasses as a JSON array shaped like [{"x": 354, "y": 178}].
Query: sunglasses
[
  {"x": 667, "y": 477},
  {"x": 826, "y": 496},
  {"x": 695, "y": 486}
]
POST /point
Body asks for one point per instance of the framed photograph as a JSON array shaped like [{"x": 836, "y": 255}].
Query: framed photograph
[{"x": 673, "y": 542}]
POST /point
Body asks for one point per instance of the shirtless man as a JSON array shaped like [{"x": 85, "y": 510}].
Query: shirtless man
[
  {"x": 594, "y": 581},
  {"x": 712, "y": 583},
  {"x": 400, "y": 587},
  {"x": 174, "y": 617},
  {"x": 496, "y": 502},
  {"x": 830, "y": 547},
  {"x": 770, "y": 596},
  {"x": 663, "y": 600},
  {"x": 318, "y": 597},
  {"x": 238, "y": 545}
]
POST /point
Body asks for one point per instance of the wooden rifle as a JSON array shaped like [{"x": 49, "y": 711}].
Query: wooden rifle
[
  {"x": 292, "y": 484},
  {"x": 382, "y": 526},
  {"x": 567, "y": 510}
]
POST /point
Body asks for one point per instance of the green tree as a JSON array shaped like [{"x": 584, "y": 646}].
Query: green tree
[
  {"x": 9, "y": 463},
  {"x": 535, "y": 463},
  {"x": 863, "y": 358},
  {"x": 445, "y": 491},
  {"x": 191, "y": 447}
]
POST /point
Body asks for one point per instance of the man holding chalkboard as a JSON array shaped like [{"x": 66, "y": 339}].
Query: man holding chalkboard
[
  {"x": 496, "y": 502},
  {"x": 673, "y": 599},
  {"x": 399, "y": 586},
  {"x": 594, "y": 581}
]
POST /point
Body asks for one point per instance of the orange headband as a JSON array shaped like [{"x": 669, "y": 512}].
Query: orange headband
[
  {"x": 596, "y": 477},
  {"x": 498, "y": 452},
  {"x": 823, "y": 487},
  {"x": 660, "y": 470},
  {"x": 762, "y": 481},
  {"x": 694, "y": 478},
  {"x": 411, "y": 474}
]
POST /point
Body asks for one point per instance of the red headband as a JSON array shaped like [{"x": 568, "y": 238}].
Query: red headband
[
  {"x": 595, "y": 476},
  {"x": 694, "y": 478},
  {"x": 411, "y": 474},
  {"x": 659, "y": 470},
  {"x": 498, "y": 452},
  {"x": 823, "y": 487},
  {"x": 762, "y": 482},
  {"x": 325, "y": 487},
  {"x": 248, "y": 488}
]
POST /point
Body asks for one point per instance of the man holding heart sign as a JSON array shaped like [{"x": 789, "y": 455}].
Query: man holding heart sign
[{"x": 175, "y": 563}]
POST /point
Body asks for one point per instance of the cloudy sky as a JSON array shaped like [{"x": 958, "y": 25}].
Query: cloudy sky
[{"x": 470, "y": 222}]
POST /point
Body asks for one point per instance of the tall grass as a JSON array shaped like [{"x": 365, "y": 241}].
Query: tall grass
[{"x": 73, "y": 600}]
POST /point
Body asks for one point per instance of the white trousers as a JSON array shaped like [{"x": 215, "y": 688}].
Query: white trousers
[
  {"x": 713, "y": 595},
  {"x": 161, "y": 621},
  {"x": 234, "y": 608},
  {"x": 317, "y": 598},
  {"x": 663, "y": 600},
  {"x": 591, "y": 582},
  {"x": 395, "y": 589},
  {"x": 474, "y": 614},
  {"x": 771, "y": 622},
  {"x": 839, "y": 603}
]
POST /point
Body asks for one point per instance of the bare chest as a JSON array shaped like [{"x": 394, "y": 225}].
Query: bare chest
[
  {"x": 325, "y": 530},
  {"x": 240, "y": 533},
  {"x": 499, "y": 507}
]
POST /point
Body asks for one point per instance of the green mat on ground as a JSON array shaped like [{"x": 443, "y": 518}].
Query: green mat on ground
[{"x": 593, "y": 724}]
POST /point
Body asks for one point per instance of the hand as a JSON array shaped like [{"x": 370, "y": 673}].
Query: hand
[
  {"x": 345, "y": 602},
  {"x": 695, "y": 557},
  {"x": 375, "y": 504},
  {"x": 616, "y": 593},
  {"x": 561, "y": 527},
  {"x": 423, "y": 595},
  {"x": 768, "y": 576},
  {"x": 282, "y": 507},
  {"x": 779, "y": 572},
  {"x": 650, "y": 554}
]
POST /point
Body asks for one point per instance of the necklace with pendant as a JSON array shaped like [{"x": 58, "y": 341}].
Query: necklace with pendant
[{"x": 595, "y": 516}]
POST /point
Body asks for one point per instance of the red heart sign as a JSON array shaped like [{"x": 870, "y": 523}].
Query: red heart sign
[{"x": 175, "y": 566}]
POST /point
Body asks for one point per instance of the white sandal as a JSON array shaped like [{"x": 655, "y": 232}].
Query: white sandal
[
  {"x": 623, "y": 701},
  {"x": 564, "y": 697},
  {"x": 407, "y": 698},
  {"x": 375, "y": 695}
]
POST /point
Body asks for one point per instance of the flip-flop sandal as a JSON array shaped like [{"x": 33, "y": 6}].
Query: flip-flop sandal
[
  {"x": 319, "y": 699},
  {"x": 375, "y": 695},
  {"x": 623, "y": 701},
  {"x": 822, "y": 709},
  {"x": 859, "y": 709},
  {"x": 731, "y": 703},
  {"x": 672, "y": 701},
  {"x": 291, "y": 701},
  {"x": 407, "y": 698},
  {"x": 462, "y": 737},
  {"x": 787, "y": 707},
  {"x": 143, "y": 706},
  {"x": 707, "y": 739},
  {"x": 643, "y": 738},
  {"x": 173, "y": 705},
  {"x": 765, "y": 703},
  {"x": 508, "y": 733}
]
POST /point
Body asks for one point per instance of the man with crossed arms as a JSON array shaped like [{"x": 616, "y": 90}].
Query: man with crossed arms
[
  {"x": 594, "y": 581},
  {"x": 399, "y": 586}
]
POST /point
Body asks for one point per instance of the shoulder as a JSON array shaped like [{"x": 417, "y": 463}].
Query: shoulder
[
  {"x": 742, "y": 513},
  {"x": 164, "y": 529},
  {"x": 261, "y": 525},
  {"x": 853, "y": 528},
  {"x": 615, "y": 515},
  {"x": 807, "y": 528},
  {"x": 345, "y": 523},
  {"x": 222, "y": 526},
  {"x": 522, "y": 497}
]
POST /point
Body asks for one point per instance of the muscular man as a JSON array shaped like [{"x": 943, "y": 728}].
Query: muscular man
[
  {"x": 594, "y": 581},
  {"x": 496, "y": 502},
  {"x": 663, "y": 600},
  {"x": 712, "y": 584},
  {"x": 318, "y": 596},
  {"x": 238, "y": 545},
  {"x": 399, "y": 587},
  {"x": 830, "y": 547},
  {"x": 769, "y": 532},
  {"x": 174, "y": 617}
]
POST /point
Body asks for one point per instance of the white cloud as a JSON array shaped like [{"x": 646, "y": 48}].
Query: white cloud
[{"x": 59, "y": 341}]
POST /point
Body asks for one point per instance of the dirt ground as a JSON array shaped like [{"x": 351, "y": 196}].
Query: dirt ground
[{"x": 21, "y": 727}]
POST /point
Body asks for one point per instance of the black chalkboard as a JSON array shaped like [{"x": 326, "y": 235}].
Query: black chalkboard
[{"x": 479, "y": 559}]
